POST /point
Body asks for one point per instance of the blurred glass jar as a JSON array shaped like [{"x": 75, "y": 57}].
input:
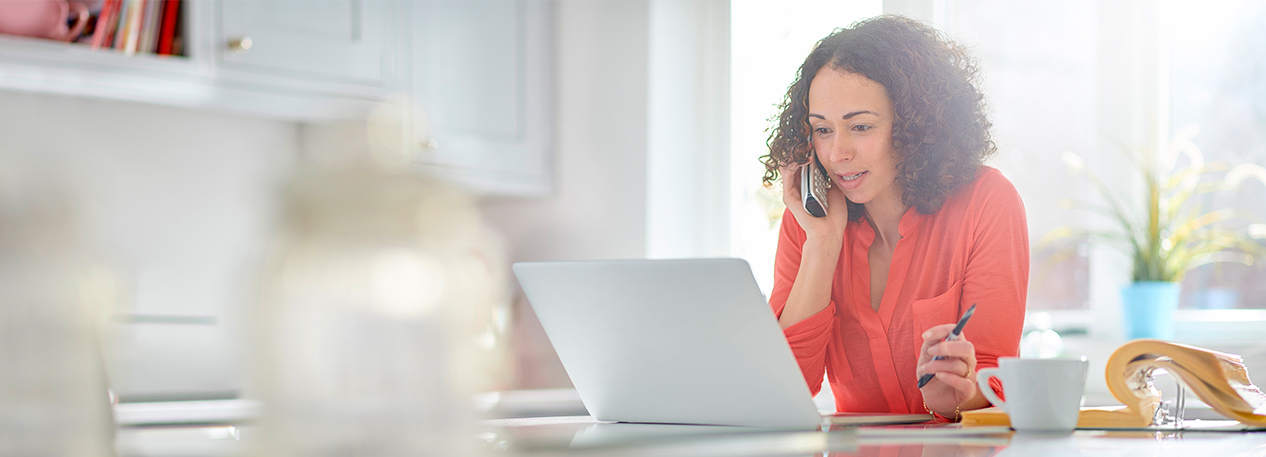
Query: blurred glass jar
[
  {"x": 368, "y": 332},
  {"x": 1043, "y": 342},
  {"x": 53, "y": 397}
]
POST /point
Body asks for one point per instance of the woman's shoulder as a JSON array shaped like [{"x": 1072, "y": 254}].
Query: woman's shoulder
[
  {"x": 991, "y": 189},
  {"x": 992, "y": 179}
]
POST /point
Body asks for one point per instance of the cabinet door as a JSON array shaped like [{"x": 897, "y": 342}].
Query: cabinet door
[
  {"x": 338, "y": 40},
  {"x": 481, "y": 79}
]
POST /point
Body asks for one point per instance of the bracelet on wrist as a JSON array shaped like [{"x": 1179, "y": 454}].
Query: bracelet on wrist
[{"x": 958, "y": 416}]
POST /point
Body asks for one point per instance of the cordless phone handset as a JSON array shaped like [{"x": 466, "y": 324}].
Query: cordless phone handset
[{"x": 813, "y": 186}]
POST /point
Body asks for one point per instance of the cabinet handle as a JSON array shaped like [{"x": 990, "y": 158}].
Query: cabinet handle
[
  {"x": 241, "y": 44},
  {"x": 429, "y": 144}
]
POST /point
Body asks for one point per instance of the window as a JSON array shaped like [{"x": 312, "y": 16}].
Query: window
[
  {"x": 1081, "y": 76},
  {"x": 1039, "y": 68},
  {"x": 1217, "y": 81}
]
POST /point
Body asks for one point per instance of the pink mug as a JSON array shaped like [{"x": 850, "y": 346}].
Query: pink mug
[{"x": 42, "y": 18}]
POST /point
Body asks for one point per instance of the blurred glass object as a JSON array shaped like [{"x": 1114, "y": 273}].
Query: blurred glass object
[
  {"x": 372, "y": 332},
  {"x": 53, "y": 396},
  {"x": 1043, "y": 342}
]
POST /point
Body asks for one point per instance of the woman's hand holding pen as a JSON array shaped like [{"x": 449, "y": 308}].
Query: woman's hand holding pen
[{"x": 953, "y": 386}]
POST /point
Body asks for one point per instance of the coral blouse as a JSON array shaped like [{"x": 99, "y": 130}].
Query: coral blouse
[{"x": 974, "y": 250}]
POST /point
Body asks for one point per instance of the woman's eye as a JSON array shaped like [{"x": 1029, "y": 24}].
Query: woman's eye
[
  {"x": 821, "y": 131},
  {"x": 861, "y": 128}
]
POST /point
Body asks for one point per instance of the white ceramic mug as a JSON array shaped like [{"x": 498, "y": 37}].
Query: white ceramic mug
[{"x": 1043, "y": 395}]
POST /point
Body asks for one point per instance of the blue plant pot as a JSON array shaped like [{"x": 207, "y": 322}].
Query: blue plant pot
[{"x": 1149, "y": 309}]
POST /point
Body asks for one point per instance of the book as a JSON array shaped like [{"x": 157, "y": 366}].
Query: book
[
  {"x": 135, "y": 17},
  {"x": 116, "y": 21},
  {"x": 119, "y": 37},
  {"x": 148, "y": 28},
  {"x": 1218, "y": 379},
  {"x": 107, "y": 19},
  {"x": 168, "y": 31},
  {"x": 178, "y": 34},
  {"x": 152, "y": 26}
]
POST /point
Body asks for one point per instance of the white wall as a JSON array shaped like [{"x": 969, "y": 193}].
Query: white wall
[
  {"x": 177, "y": 204},
  {"x": 598, "y": 205},
  {"x": 598, "y": 208},
  {"x": 688, "y": 166}
]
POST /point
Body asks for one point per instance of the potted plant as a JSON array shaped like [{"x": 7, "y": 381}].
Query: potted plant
[{"x": 1172, "y": 233}]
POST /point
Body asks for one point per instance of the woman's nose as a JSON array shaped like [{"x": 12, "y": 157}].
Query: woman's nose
[{"x": 839, "y": 151}]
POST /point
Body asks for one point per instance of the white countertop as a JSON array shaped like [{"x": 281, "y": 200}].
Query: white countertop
[{"x": 583, "y": 436}]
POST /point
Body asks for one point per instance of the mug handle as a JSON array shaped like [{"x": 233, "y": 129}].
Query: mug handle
[
  {"x": 81, "y": 10},
  {"x": 982, "y": 379}
]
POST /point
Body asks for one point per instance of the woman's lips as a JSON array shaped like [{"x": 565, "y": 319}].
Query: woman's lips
[{"x": 851, "y": 181}]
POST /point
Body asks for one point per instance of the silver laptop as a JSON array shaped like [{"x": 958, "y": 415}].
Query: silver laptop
[{"x": 688, "y": 341}]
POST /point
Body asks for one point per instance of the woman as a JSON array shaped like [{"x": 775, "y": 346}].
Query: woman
[{"x": 917, "y": 228}]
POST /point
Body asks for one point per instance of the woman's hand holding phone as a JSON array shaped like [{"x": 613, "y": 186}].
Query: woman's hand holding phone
[
  {"x": 820, "y": 252},
  {"x": 829, "y": 228}
]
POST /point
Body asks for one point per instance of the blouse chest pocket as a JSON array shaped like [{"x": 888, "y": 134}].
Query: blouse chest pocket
[{"x": 931, "y": 312}]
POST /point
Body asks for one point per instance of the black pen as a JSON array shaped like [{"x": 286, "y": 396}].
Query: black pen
[{"x": 958, "y": 330}]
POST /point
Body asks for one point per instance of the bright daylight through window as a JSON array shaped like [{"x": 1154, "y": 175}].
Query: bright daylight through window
[{"x": 1082, "y": 77}]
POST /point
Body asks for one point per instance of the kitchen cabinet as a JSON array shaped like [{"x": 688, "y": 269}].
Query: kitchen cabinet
[
  {"x": 330, "y": 40},
  {"x": 481, "y": 81}
]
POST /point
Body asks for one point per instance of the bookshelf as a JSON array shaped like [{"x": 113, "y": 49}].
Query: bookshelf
[
  {"x": 137, "y": 27},
  {"x": 191, "y": 63}
]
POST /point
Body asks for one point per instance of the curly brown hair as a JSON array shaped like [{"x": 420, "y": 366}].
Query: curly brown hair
[{"x": 940, "y": 130}]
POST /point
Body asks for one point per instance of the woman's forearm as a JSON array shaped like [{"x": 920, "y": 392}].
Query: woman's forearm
[{"x": 811, "y": 292}]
